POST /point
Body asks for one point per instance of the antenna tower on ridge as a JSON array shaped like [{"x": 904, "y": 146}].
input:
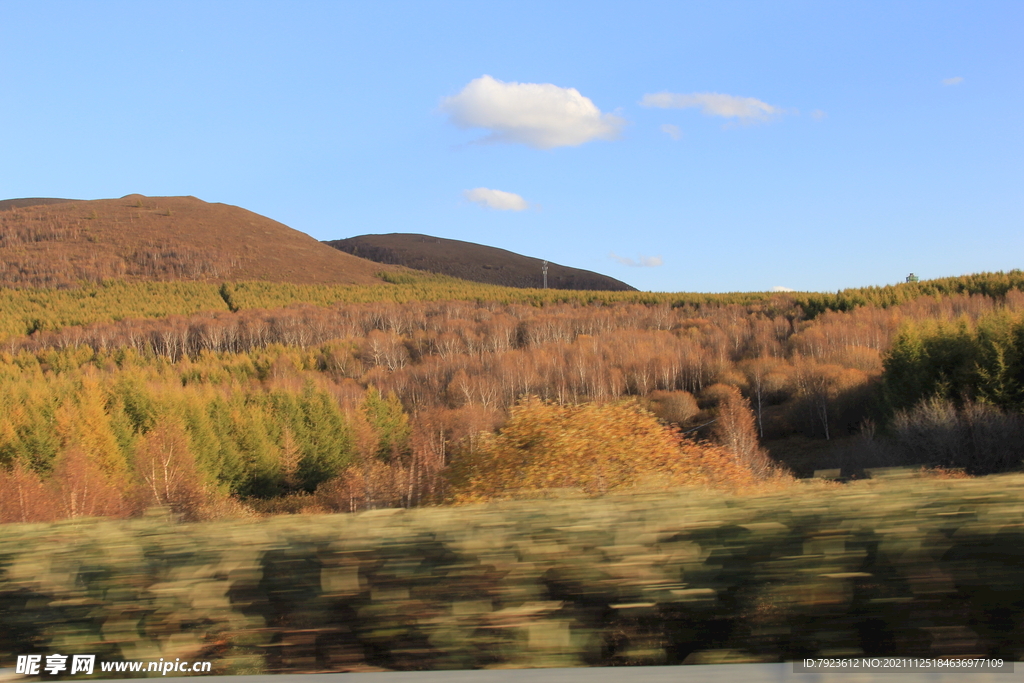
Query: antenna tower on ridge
[{"x": 545, "y": 269}]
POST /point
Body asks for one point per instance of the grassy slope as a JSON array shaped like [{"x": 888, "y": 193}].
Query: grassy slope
[{"x": 163, "y": 238}]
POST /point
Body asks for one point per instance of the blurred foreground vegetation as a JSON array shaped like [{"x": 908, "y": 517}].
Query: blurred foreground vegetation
[{"x": 899, "y": 565}]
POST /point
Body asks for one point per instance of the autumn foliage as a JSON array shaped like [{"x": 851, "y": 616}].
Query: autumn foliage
[
  {"x": 597, "y": 448},
  {"x": 735, "y": 430},
  {"x": 363, "y": 402}
]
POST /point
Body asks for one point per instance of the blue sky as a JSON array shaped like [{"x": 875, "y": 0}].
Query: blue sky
[{"x": 715, "y": 146}]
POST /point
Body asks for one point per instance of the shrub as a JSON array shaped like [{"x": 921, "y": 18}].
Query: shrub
[
  {"x": 592, "y": 447},
  {"x": 978, "y": 438},
  {"x": 715, "y": 394},
  {"x": 674, "y": 407},
  {"x": 25, "y": 496}
]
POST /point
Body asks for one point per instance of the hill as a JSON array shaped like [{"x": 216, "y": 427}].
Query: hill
[
  {"x": 31, "y": 201},
  {"x": 60, "y": 243},
  {"x": 474, "y": 262}
]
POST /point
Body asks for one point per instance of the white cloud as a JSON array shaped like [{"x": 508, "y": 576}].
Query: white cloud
[
  {"x": 746, "y": 109},
  {"x": 540, "y": 115},
  {"x": 818, "y": 115},
  {"x": 782, "y": 289},
  {"x": 672, "y": 131},
  {"x": 496, "y": 199},
  {"x": 956, "y": 80},
  {"x": 640, "y": 262}
]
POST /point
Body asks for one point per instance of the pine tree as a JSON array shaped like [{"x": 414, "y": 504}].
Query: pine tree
[
  {"x": 87, "y": 426},
  {"x": 328, "y": 445},
  {"x": 390, "y": 424}
]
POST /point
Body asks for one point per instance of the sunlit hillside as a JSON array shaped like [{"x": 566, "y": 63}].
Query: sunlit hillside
[{"x": 63, "y": 243}]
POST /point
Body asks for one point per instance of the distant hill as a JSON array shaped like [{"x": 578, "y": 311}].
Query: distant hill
[
  {"x": 31, "y": 201},
  {"x": 60, "y": 242},
  {"x": 470, "y": 261}
]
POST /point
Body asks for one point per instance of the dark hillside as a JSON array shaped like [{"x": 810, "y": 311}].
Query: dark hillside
[
  {"x": 474, "y": 262},
  {"x": 60, "y": 243}
]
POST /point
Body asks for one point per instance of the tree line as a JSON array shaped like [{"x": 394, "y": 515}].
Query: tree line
[{"x": 25, "y": 310}]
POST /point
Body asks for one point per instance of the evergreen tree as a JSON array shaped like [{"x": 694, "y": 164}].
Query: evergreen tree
[
  {"x": 1000, "y": 364},
  {"x": 328, "y": 446},
  {"x": 206, "y": 417},
  {"x": 88, "y": 427},
  {"x": 390, "y": 424}
]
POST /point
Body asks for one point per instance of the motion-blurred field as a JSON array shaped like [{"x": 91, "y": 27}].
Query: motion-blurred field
[{"x": 897, "y": 565}]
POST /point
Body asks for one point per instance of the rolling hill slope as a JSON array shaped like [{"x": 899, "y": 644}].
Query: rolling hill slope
[
  {"x": 59, "y": 243},
  {"x": 474, "y": 262},
  {"x": 31, "y": 201}
]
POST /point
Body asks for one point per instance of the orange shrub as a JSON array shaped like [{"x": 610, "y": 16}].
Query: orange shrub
[
  {"x": 674, "y": 407},
  {"x": 25, "y": 496},
  {"x": 592, "y": 447}
]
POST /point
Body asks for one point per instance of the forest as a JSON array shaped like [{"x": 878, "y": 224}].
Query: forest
[{"x": 235, "y": 399}]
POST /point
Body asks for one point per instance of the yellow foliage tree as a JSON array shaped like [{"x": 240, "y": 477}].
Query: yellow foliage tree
[
  {"x": 592, "y": 447},
  {"x": 86, "y": 426}
]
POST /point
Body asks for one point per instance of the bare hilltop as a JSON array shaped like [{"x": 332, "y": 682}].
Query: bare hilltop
[{"x": 46, "y": 242}]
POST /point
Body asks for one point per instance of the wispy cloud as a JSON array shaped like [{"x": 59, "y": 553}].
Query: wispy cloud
[
  {"x": 639, "y": 262},
  {"x": 540, "y": 115},
  {"x": 496, "y": 199},
  {"x": 672, "y": 131},
  {"x": 956, "y": 80},
  {"x": 745, "y": 109},
  {"x": 818, "y": 115}
]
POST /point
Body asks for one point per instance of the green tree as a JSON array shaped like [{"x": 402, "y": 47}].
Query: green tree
[
  {"x": 1000, "y": 360},
  {"x": 938, "y": 360},
  {"x": 207, "y": 418},
  {"x": 390, "y": 424},
  {"x": 326, "y": 438}
]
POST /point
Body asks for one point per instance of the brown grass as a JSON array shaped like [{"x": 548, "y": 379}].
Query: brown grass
[{"x": 162, "y": 238}]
